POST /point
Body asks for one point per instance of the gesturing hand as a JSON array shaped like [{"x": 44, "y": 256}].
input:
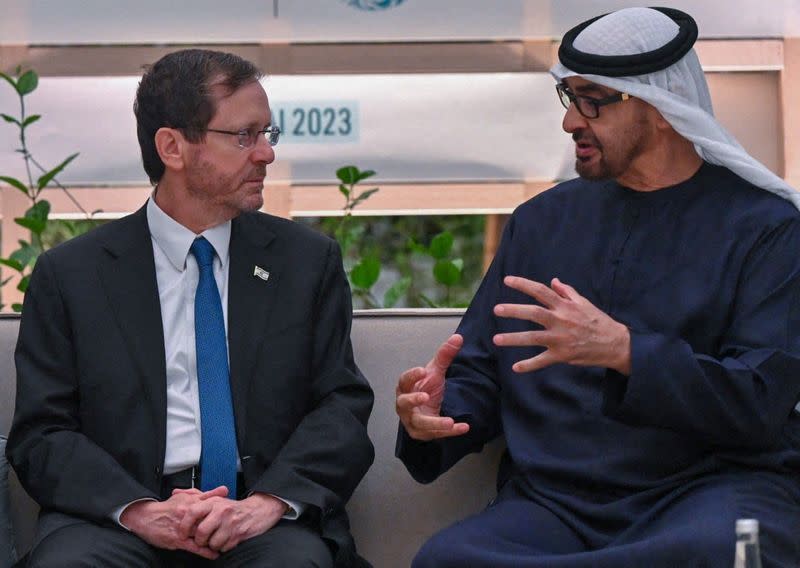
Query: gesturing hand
[
  {"x": 420, "y": 392},
  {"x": 575, "y": 330}
]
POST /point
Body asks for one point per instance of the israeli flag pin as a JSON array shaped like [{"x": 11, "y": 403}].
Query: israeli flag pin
[{"x": 261, "y": 273}]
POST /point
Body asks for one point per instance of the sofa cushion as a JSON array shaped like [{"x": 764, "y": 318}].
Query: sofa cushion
[{"x": 7, "y": 552}]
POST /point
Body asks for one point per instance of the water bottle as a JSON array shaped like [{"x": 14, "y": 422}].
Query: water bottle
[{"x": 748, "y": 554}]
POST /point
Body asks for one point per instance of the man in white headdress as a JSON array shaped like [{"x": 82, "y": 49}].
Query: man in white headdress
[{"x": 636, "y": 340}]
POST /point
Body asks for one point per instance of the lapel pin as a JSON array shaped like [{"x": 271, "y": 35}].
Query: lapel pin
[{"x": 261, "y": 273}]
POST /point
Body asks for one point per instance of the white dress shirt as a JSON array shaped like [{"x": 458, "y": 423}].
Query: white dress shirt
[{"x": 177, "y": 275}]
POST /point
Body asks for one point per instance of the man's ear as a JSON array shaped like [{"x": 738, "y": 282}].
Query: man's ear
[{"x": 171, "y": 147}]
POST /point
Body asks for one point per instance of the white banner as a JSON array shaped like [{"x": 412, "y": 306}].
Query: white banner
[{"x": 409, "y": 128}]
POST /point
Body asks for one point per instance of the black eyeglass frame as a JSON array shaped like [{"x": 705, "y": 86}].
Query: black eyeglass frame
[
  {"x": 249, "y": 138},
  {"x": 571, "y": 98}
]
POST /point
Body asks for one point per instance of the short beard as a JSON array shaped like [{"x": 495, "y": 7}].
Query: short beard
[{"x": 602, "y": 172}]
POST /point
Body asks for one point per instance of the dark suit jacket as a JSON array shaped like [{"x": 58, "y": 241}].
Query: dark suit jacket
[{"x": 89, "y": 429}]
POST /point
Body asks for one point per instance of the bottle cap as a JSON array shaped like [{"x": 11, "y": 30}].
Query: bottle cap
[{"x": 747, "y": 526}]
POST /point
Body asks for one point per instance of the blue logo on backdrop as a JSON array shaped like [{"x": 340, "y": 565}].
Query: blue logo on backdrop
[{"x": 373, "y": 5}]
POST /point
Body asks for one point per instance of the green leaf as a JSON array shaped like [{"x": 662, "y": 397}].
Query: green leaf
[
  {"x": 39, "y": 211},
  {"x": 343, "y": 190},
  {"x": 26, "y": 254},
  {"x": 446, "y": 272},
  {"x": 9, "y": 118},
  {"x": 459, "y": 263},
  {"x": 11, "y": 263},
  {"x": 414, "y": 246},
  {"x": 23, "y": 283},
  {"x": 14, "y": 182},
  {"x": 366, "y": 273},
  {"x": 348, "y": 174},
  {"x": 346, "y": 235},
  {"x": 10, "y": 80},
  {"x": 69, "y": 226},
  {"x": 27, "y": 83},
  {"x": 73, "y": 228},
  {"x": 441, "y": 245},
  {"x": 45, "y": 179},
  {"x": 364, "y": 196},
  {"x": 16, "y": 307},
  {"x": 34, "y": 225},
  {"x": 396, "y": 291},
  {"x": 31, "y": 119},
  {"x": 361, "y": 176},
  {"x": 35, "y": 218}
]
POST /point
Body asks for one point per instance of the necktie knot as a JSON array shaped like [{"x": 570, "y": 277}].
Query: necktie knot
[{"x": 203, "y": 251}]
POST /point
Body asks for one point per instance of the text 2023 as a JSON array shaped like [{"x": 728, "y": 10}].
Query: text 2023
[{"x": 316, "y": 121}]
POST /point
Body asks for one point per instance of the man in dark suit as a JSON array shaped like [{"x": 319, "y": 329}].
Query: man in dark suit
[{"x": 186, "y": 383}]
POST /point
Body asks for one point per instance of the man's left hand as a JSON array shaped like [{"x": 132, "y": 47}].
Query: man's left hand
[
  {"x": 220, "y": 524},
  {"x": 575, "y": 330}
]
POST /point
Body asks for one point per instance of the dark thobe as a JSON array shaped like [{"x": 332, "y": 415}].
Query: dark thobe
[{"x": 652, "y": 469}]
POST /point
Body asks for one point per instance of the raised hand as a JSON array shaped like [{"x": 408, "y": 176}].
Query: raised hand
[
  {"x": 575, "y": 330},
  {"x": 419, "y": 396}
]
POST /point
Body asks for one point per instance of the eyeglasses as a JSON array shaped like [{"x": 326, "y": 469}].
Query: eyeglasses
[
  {"x": 249, "y": 137},
  {"x": 589, "y": 107}
]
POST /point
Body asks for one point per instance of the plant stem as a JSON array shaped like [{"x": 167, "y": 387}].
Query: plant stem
[
  {"x": 343, "y": 222},
  {"x": 372, "y": 301},
  {"x": 25, "y": 153},
  {"x": 34, "y": 194},
  {"x": 64, "y": 189}
]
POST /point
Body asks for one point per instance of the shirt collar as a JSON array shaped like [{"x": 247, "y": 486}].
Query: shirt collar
[{"x": 176, "y": 240}]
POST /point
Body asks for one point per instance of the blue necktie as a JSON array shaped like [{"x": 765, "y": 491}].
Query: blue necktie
[{"x": 218, "y": 433}]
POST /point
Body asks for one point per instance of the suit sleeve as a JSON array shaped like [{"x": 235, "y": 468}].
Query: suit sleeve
[
  {"x": 329, "y": 451},
  {"x": 472, "y": 391},
  {"x": 743, "y": 395},
  {"x": 59, "y": 467}
]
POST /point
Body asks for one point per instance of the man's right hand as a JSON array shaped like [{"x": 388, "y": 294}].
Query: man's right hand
[
  {"x": 419, "y": 396},
  {"x": 157, "y": 522}
]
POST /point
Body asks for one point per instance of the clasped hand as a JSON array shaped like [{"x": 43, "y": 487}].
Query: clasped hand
[
  {"x": 574, "y": 331},
  {"x": 203, "y": 523}
]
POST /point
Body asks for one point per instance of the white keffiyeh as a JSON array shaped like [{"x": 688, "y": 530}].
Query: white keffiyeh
[{"x": 679, "y": 92}]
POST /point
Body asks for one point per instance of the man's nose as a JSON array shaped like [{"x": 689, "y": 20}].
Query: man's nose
[
  {"x": 263, "y": 152},
  {"x": 573, "y": 120}
]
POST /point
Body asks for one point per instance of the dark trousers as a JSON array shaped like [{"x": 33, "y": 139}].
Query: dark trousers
[
  {"x": 70, "y": 542},
  {"x": 691, "y": 527}
]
